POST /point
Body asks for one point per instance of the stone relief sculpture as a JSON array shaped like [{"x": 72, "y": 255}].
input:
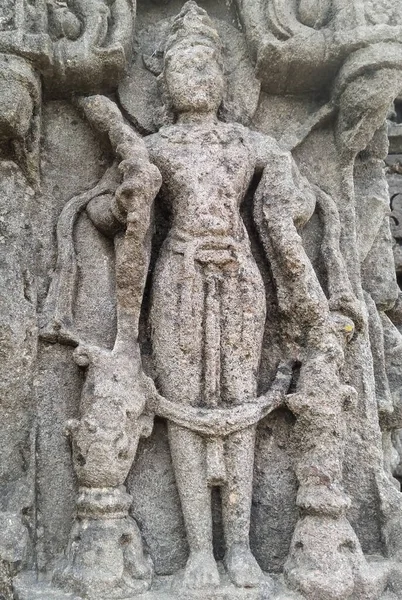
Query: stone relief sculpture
[
  {"x": 392, "y": 347},
  {"x": 41, "y": 44},
  {"x": 223, "y": 280}
]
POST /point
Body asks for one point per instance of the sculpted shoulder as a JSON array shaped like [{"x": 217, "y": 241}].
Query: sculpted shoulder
[
  {"x": 261, "y": 147},
  {"x": 153, "y": 143},
  {"x": 264, "y": 147}
]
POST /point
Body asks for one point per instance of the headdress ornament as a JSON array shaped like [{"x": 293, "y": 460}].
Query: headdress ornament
[{"x": 193, "y": 27}]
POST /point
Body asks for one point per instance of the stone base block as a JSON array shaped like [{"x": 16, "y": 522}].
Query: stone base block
[{"x": 26, "y": 587}]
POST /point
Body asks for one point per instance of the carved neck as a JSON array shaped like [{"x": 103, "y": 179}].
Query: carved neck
[{"x": 197, "y": 118}]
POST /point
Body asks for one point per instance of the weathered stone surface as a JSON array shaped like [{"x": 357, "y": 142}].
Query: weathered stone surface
[{"x": 201, "y": 351}]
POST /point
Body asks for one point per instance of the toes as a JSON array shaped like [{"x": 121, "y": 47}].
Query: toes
[
  {"x": 201, "y": 574},
  {"x": 209, "y": 579}
]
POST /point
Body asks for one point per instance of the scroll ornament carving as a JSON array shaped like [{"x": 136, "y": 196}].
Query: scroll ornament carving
[
  {"x": 327, "y": 31},
  {"x": 70, "y": 46}
]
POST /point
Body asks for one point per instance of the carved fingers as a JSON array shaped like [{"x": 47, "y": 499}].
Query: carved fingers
[
  {"x": 349, "y": 306},
  {"x": 141, "y": 179},
  {"x": 141, "y": 184},
  {"x": 84, "y": 355}
]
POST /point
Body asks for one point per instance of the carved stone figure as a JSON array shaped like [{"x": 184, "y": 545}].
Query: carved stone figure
[
  {"x": 208, "y": 306},
  {"x": 203, "y": 355},
  {"x": 204, "y": 261}
]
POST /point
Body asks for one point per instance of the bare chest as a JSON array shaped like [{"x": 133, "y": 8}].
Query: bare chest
[{"x": 204, "y": 165}]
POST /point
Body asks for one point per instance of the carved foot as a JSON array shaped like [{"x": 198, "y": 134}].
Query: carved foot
[
  {"x": 201, "y": 572},
  {"x": 242, "y": 567}
]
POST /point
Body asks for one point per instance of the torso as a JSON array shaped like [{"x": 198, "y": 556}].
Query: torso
[{"x": 206, "y": 171}]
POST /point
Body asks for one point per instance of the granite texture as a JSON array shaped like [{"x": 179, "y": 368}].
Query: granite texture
[{"x": 201, "y": 324}]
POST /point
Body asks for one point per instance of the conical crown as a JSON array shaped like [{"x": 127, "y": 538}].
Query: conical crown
[{"x": 193, "y": 27}]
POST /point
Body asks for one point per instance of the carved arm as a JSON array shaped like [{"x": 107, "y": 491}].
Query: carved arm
[
  {"x": 113, "y": 209},
  {"x": 340, "y": 292},
  {"x": 132, "y": 203},
  {"x": 282, "y": 207},
  {"x": 288, "y": 205},
  {"x": 116, "y": 391}
]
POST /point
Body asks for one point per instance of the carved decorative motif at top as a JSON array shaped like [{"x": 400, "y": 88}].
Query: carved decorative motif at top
[
  {"x": 77, "y": 45},
  {"x": 300, "y": 46}
]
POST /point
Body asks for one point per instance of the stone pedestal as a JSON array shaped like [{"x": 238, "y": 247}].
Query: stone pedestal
[
  {"x": 164, "y": 588},
  {"x": 104, "y": 557}
]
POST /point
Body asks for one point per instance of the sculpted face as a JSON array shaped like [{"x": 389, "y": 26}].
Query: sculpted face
[{"x": 194, "y": 79}]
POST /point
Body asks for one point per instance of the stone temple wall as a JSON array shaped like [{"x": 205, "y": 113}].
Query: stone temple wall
[
  {"x": 394, "y": 176},
  {"x": 200, "y": 318},
  {"x": 394, "y": 172}
]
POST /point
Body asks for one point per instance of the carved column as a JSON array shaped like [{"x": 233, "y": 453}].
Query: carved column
[
  {"x": 328, "y": 48},
  {"x": 68, "y": 47}
]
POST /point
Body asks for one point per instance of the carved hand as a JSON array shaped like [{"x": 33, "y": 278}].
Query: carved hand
[
  {"x": 141, "y": 183},
  {"x": 349, "y": 306}
]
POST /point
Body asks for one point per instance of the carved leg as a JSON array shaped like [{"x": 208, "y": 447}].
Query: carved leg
[
  {"x": 189, "y": 461},
  {"x": 241, "y": 565}
]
